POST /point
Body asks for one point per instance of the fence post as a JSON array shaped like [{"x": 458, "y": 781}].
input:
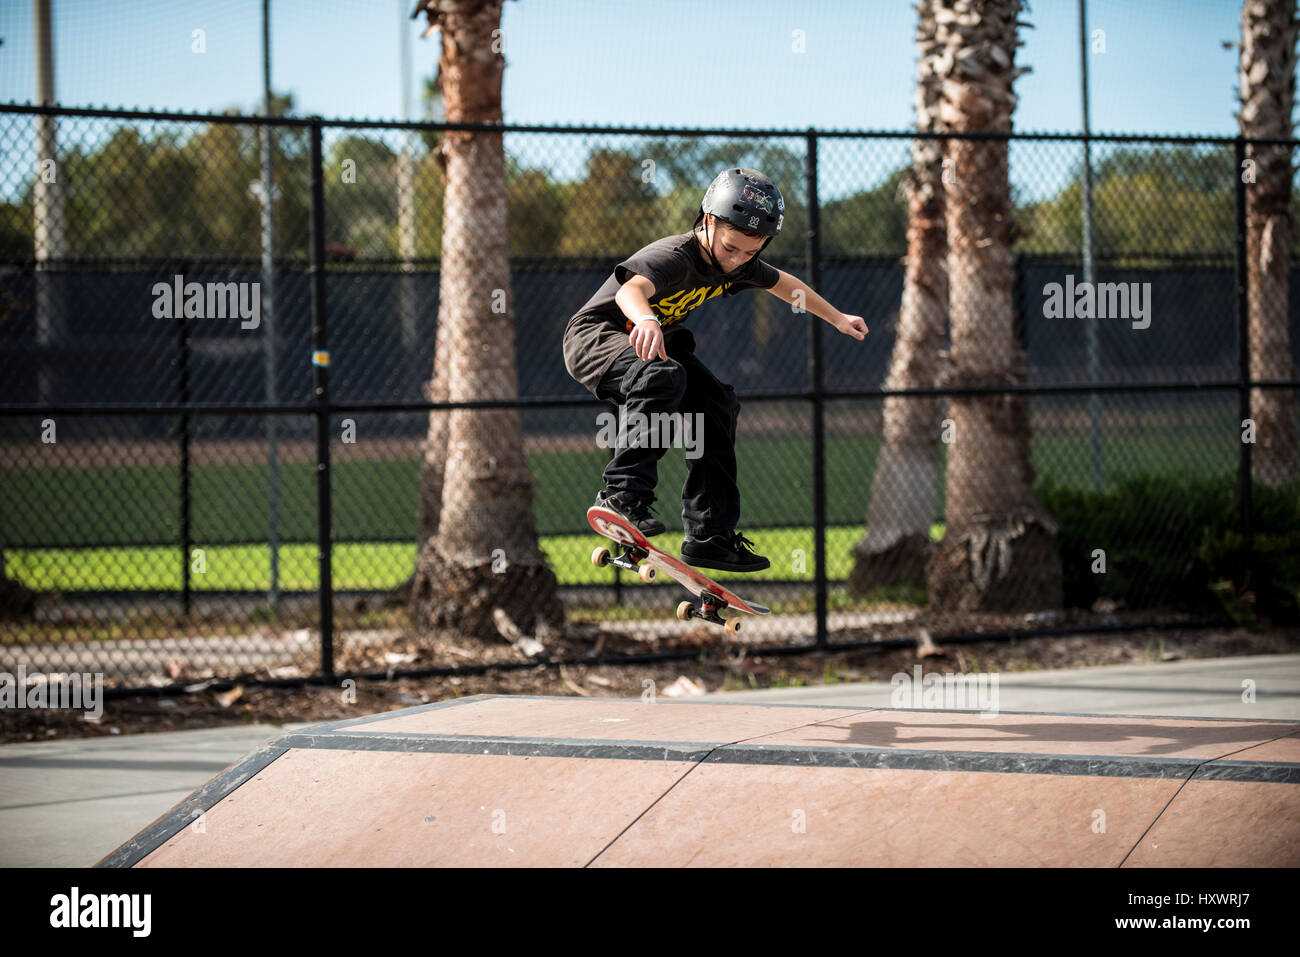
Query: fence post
[
  {"x": 815, "y": 374},
  {"x": 187, "y": 537},
  {"x": 1244, "y": 504},
  {"x": 320, "y": 361}
]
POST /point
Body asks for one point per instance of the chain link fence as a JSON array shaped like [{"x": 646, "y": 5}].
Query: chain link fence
[{"x": 218, "y": 414}]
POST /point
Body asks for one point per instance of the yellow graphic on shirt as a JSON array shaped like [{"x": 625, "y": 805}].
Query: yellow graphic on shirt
[{"x": 674, "y": 308}]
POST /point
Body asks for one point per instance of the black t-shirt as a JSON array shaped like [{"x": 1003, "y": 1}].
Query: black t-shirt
[{"x": 683, "y": 280}]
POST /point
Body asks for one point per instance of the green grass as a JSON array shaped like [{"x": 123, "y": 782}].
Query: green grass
[
  {"x": 375, "y": 566},
  {"x": 128, "y": 510},
  {"x": 376, "y": 500}
]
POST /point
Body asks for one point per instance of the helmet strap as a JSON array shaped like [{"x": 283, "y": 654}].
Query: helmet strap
[{"x": 709, "y": 244}]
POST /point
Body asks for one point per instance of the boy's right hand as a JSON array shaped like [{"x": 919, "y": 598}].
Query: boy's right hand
[{"x": 647, "y": 338}]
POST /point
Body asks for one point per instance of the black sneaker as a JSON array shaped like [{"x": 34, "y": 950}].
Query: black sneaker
[
  {"x": 635, "y": 510},
  {"x": 731, "y": 553}
]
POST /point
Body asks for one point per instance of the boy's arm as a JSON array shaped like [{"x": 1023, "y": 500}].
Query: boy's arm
[
  {"x": 633, "y": 299},
  {"x": 794, "y": 290}
]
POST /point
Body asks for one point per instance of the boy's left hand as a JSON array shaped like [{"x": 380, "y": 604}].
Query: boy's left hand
[{"x": 853, "y": 326}]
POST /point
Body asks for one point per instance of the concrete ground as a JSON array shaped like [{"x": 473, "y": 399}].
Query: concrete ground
[
  {"x": 1200, "y": 688},
  {"x": 69, "y": 803}
]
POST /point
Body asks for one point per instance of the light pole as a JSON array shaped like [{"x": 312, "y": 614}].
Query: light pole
[
  {"x": 406, "y": 189},
  {"x": 48, "y": 228},
  {"x": 1094, "y": 400},
  {"x": 267, "y": 191}
]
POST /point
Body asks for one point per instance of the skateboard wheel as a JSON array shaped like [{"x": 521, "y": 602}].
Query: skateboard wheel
[
  {"x": 600, "y": 557},
  {"x": 733, "y": 626},
  {"x": 686, "y": 611},
  {"x": 645, "y": 573}
]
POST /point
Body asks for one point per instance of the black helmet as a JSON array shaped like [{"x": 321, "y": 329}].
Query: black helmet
[{"x": 746, "y": 199}]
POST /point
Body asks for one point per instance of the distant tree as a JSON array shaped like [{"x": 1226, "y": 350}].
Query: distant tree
[
  {"x": 430, "y": 191},
  {"x": 695, "y": 160},
  {"x": 175, "y": 194},
  {"x": 870, "y": 222},
  {"x": 613, "y": 211},
  {"x": 684, "y": 166},
  {"x": 536, "y": 210},
  {"x": 361, "y": 196},
  {"x": 1146, "y": 201},
  {"x": 17, "y": 229}
]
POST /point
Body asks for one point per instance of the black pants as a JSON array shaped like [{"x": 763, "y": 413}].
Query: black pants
[{"x": 682, "y": 384}]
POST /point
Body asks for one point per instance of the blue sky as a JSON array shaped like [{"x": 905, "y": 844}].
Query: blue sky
[
  {"x": 641, "y": 62},
  {"x": 1157, "y": 66}
]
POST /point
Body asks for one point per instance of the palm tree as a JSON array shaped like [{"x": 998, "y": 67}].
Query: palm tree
[
  {"x": 999, "y": 551},
  {"x": 16, "y": 600},
  {"x": 433, "y": 468},
  {"x": 1268, "y": 64},
  {"x": 896, "y": 547},
  {"x": 434, "y": 465},
  {"x": 485, "y": 556}
]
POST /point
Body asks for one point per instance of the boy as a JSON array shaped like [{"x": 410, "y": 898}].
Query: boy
[{"x": 629, "y": 345}]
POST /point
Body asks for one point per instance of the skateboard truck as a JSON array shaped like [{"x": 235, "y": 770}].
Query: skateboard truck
[
  {"x": 710, "y": 605},
  {"x": 637, "y": 554},
  {"x": 629, "y": 558}
]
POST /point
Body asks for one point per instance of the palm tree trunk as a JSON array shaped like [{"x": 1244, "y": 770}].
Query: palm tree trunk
[
  {"x": 1268, "y": 64},
  {"x": 485, "y": 556},
  {"x": 999, "y": 551},
  {"x": 435, "y": 443},
  {"x": 16, "y": 599},
  {"x": 896, "y": 547}
]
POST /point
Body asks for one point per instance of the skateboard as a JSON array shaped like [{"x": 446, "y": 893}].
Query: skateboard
[{"x": 638, "y": 555}]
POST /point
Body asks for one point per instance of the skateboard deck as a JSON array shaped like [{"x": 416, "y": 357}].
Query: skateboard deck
[{"x": 643, "y": 557}]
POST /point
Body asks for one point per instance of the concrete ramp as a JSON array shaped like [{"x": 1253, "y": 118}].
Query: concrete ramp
[{"x": 534, "y": 781}]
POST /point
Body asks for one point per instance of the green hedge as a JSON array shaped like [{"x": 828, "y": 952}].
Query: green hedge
[{"x": 1175, "y": 543}]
